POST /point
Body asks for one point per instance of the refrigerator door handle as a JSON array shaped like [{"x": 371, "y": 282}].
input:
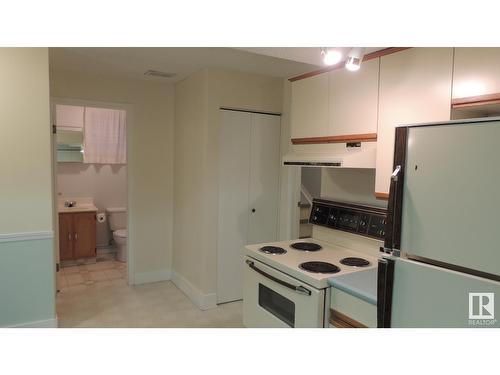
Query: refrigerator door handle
[
  {"x": 389, "y": 242},
  {"x": 395, "y": 173}
]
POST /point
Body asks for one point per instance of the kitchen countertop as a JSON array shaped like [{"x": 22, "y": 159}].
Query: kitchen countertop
[{"x": 361, "y": 284}]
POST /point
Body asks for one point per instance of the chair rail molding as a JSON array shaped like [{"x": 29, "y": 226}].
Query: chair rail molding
[{"x": 26, "y": 236}]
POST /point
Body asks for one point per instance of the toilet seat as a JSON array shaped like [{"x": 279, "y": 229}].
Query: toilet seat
[{"x": 120, "y": 233}]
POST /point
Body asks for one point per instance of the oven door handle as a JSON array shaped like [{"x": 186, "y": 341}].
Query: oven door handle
[{"x": 298, "y": 289}]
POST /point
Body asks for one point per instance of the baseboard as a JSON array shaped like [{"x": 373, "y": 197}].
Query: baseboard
[
  {"x": 49, "y": 323},
  {"x": 151, "y": 277},
  {"x": 203, "y": 301}
]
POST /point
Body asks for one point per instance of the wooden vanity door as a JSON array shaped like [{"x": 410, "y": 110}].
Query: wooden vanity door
[
  {"x": 66, "y": 233},
  {"x": 84, "y": 238}
]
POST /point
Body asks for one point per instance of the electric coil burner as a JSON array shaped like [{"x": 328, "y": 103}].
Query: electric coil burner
[
  {"x": 306, "y": 246},
  {"x": 319, "y": 267},
  {"x": 355, "y": 262},
  {"x": 274, "y": 250}
]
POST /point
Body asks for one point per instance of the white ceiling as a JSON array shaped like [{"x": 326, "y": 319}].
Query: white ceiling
[{"x": 133, "y": 62}]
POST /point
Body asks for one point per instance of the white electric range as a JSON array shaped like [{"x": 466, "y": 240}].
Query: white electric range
[{"x": 286, "y": 283}]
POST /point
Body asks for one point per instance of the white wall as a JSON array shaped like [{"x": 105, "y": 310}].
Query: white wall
[
  {"x": 105, "y": 183},
  {"x": 311, "y": 179},
  {"x": 290, "y": 176},
  {"x": 350, "y": 185},
  {"x": 27, "y": 264},
  {"x": 150, "y": 162},
  {"x": 25, "y": 151},
  {"x": 190, "y": 138},
  {"x": 198, "y": 99}
]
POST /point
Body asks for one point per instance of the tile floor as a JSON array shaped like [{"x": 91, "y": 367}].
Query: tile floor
[
  {"x": 86, "y": 276},
  {"x": 97, "y": 295}
]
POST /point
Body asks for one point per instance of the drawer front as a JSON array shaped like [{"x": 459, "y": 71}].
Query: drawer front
[{"x": 339, "y": 320}]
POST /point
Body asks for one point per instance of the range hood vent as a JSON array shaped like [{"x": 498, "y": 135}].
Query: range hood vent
[
  {"x": 339, "y": 155},
  {"x": 311, "y": 163}
]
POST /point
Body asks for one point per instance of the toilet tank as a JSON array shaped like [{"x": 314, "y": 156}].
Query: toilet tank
[{"x": 117, "y": 217}]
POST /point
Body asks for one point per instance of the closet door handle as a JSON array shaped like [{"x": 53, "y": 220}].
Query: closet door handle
[
  {"x": 253, "y": 209},
  {"x": 69, "y": 237},
  {"x": 76, "y": 236}
]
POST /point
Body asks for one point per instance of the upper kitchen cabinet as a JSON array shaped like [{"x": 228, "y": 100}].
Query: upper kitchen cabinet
[
  {"x": 353, "y": 100},
  {"x": 476, "y": 72},
  {"x": 415, "y": 87},
  {"x": 476, "y": 83},
  {"x": 310, "y": 107}
]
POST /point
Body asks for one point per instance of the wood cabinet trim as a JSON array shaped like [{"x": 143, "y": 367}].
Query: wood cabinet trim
[
  {"x": 369, "y": 56},
  {"x": 340, "y": 320},
  {"x": 472, "y": 101},
  {"x": 382, "y": 195},
  {"x": 369, "y": 137}
]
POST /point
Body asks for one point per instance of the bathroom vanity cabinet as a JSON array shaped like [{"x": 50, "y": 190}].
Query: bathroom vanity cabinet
[{"x": 77, "y": 235}]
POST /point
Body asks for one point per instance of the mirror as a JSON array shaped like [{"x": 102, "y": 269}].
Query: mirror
[
  {"x": 69, "y": 146},
  {"x": 69, "y": 122}
]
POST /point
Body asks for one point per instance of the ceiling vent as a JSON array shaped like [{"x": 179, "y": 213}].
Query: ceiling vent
[{"x": 157, "y": 73}]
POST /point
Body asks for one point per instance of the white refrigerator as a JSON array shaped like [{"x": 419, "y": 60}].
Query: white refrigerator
[{"x": 440, "y": 265}]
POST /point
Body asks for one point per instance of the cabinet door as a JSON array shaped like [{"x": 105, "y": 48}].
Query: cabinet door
[
  {"x": 415, "y": 87},
  {"x": 310, "y": 107},
  {"x": 66, "y": 237},
  {"x": 264, "y": 179},
  {"x": 84, "y": 239},
  {"x": 476, "y": 72},
  {"x": 234, "y": 162},
  {"x": 353, "y": 100}
]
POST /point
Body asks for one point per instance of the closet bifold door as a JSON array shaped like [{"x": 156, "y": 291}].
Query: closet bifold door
[
  {"x": 233, "y": 181},
  {"x": 248, "y": 178},
  {"x": 264, "y": 178}
]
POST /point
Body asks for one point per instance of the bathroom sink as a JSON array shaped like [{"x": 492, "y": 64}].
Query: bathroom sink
[
  {"x": 85, "y": 204},
  {"x": 78, "y": 208}
]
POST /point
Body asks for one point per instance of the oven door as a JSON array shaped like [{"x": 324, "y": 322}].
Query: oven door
[{"x": 273, "y": 299}]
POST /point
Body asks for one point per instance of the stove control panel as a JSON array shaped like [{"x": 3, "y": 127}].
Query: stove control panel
[{"x": 364, "y": 220}]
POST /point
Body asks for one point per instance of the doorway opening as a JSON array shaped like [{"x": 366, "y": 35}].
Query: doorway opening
[{"x": 90, "y": 194}]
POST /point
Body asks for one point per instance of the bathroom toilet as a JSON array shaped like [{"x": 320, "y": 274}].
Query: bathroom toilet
[{"x": 117, "y": 217}]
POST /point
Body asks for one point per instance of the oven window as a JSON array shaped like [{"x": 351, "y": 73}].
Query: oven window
[{"x": 276, "y": 304}]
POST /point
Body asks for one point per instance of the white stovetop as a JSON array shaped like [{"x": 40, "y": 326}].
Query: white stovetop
[{"x": 289, "y": 262}]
